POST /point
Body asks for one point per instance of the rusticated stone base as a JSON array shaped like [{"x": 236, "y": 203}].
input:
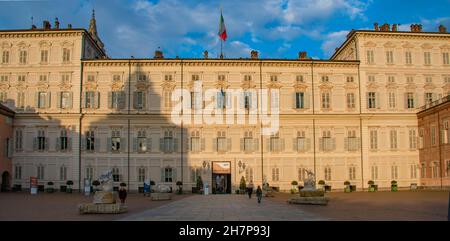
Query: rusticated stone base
[
  {"x": 101, "y": 197},
  {"x": 312, "y": 193},
  {"x": 91, "y": 208},
  {"x": 160, "y": 196},
  {"x": 310, "y": 200}
]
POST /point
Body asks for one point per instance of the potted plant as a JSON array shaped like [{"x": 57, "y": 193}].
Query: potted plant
[
  {"x": 50, "y": 187},
  {"x": 371, "y": 186},
  {"x": 347, "y": 186},
  {"x": 321, "y": 183},
  {"x": 96, "y": 183},
  {"x": 180, "y": 187},
  {"x": 394, "y": 186},
  {"x": 152, "y": 183},
  {"x": 294, "y": 185},
  {"x": 242, "y": 186},
  {"x": 69, "y": 186}
]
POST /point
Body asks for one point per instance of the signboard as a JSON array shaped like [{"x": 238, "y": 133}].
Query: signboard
[
  {"x": 87, "y": 186},
  {"x": 221, "y": 168},
  {"x": 33, "y": 185}
]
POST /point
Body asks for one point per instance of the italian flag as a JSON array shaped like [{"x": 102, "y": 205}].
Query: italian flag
[{"x": 222, "y": 29}]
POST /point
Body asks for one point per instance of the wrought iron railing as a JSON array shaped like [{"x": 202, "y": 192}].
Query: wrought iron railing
[{"x": 434, "y": 103}]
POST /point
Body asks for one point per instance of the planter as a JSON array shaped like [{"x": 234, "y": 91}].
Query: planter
[
  {"x": 50, "y": 190},
  {"x": 141, "y": 189},
  {"x": 62, "y": 188},
  {"x": 394, "y": 188},
  {"x": 69, "y": 190},
  {"x": 347, "y": 189},
  {"x": 353, "y": 188},
  {"x": 327, "y": 188},
  {"x": 372, "y": 188}
]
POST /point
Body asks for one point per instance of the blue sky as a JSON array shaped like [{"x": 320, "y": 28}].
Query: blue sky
[{"x": 185, "y": 28}]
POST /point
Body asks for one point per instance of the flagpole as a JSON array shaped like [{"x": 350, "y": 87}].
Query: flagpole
[{"x": 221, "y": 48}]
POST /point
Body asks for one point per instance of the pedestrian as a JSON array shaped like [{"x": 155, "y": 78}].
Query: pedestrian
[
  {"x": 259, "y": 194},
  {"x": 122, "y": 195},
  {"x": 250, "y": 189}
]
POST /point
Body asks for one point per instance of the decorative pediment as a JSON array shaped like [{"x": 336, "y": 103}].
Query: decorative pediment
[
  {"x": 222, "y": 84},
  {"x": 350, "y": 85},
  {"x": 6, "y": 45},
  {"x": 407, "y": 45},
  {"x": 426, "y": 46},
  {"x": 274, "y": 85},
  {"x": 391, "y": 86},
  {"x": 43, "y": 85},
  {"x": 300, "y": 87},
  {"x": 67, "y": 44},
  {"x": 4, "y": 85},
  {"x": 193, "y": 84},
  {"x": 372, "y": 85},
  {"x": 411, "y": 86},
  {"x": 117, "y": 85},
  {"x": 45, "y": 44},
  {"x": 142, "y": 86},
  {"x": 168, "y": 85},
  {"x": 248, "y": 85},
  {"x": 21, "y": 85},
  {"x": 326, "y": 86},
  {"x": 65, "y": 85},
  {"x": 370, "y": 44},
  {"x": 91, "y": 86},
  {"x": 23, "y": 45},
  {"x": 389, "y": 45},
  {"x": 446, "y": 87},
  {"x": 429, "y": 86},
  {"x": 445, "y": 46}
]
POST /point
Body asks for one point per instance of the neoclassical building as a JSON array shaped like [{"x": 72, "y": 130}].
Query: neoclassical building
[{"x": 351, "y": 118}]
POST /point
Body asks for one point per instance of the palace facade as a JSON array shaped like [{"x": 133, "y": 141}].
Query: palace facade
[{"x": 351, "y": 118}]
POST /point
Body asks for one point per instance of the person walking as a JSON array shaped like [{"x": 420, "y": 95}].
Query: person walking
[
  {"x": 259, "y": 194},
  {"x": 122, "y": 195},
  {"x": 250, "y": 189}
]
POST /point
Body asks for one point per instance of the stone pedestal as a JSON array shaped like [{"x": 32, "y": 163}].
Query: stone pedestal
[
  {"x": 160, "y": 196},
  {"x": 311, "y": 197},
  {"x": 111, "y": 208},
  {"x": 102, "y": 197}
]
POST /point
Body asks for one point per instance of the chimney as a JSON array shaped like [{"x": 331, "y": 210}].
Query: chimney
[
  {"x": 394, "y": 27},
  {"x": 56, "y": 23},
  {"x": 205, "y": 54},
  {"x": 385, "y": 27},
  {"x": 416, "y": 28},
  {"x": 159, "y": 54},
  {"x": 375, "y": 26},
  {"x": 46, "y": 25},
  {"x": 69, "y": 26},
  {"x": 442, "y": 29},
  {"x": 254, "y": 54},
  {"x": 302, "y": 55}
]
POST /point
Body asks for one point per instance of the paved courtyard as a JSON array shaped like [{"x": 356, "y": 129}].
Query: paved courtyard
[{"x": 224, "y": 208}]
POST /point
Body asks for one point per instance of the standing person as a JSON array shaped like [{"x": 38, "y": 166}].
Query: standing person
[
  {"x": 250, "y": 189},
  {"x": 259, "y": 194},
  {"x": 122, "y": 195}
]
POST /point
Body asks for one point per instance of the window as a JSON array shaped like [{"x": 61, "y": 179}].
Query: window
[
  {"x": 427, "y": 58},
  {"x": 66, "y": 55},
  {"x": 249, "y": 174},
  {"x": 446, "y": 79},
  {"x": 247, "y": 77},
  {"x": 393, "y": 138},
  {"x": 4, "y": 78},
  {"x": 65, "y": 78},
  {"x": 168, "y": 77},
  {"x": 141, "y": 174},
  {"x": 221, "y": 141},
  {"x": 374, "y": 172},
  {"x": 195, "y": 77},
  {"x": 42, "y": 100},
  {"x": 326, "y": 100},
  {"x": 447, "y": 169},
  {"x": 41, "y": 172},
  {"x": 116, "y": 174},
  {"x": 221, "y": 99},
  {"x": 116, "y": 77},
  {"x": 433, "y": 135},
  {"x": 371, "y": 100},
  {"x": 275, "y": 143},
  {"x": 325, "y": 78},
  {"x": 445, "y": 58},
  {"x": 248, "y": 141},
  {"x": 168, "y": 174},
  {"x": 409, "y": 79},
  {"x": 327, "y": 173},
  {"x": 41, "y": 140},
  {"x": 139, "y": 100},
  {"x": 63, "y": 173},
  {"x": 168, "y": 141},
  {"x": 299, "y": 100},
  {"x": 435, "y": 170},
  {"x": 299, "y": 78},
  {"x": 8, "y": 148},
  {"x": 17, "y": 172},
  {"x": 394, "y": 172},
  {"x": 89, "y": 173},
  {"x": 167, "y": 99},
  {"x": 195, "y": 174},
  {"x": 195, "y": 141},
  {"x": 350, "y": 100},
  {"x": 370, "y": 57},
  {"x": 326, "y": 143},
  {"x": 65, "y": 100},
  {"x": 408, "y": 57},
  {"x": 91, "y": 78},
  {"x": 115, "y": 140},
  {"x": 391, "y": 79},
  {"x": 352, "y": 173},
  {"x": 412, "y": 139},
  {"x": 413, "y": 170},
  {"x": 20, "y": 100},
  {"x": 196, "y": 100},
  {"x": 390, "y": 57},
  {"x": 371, "y": 78},
  {"x": 3, "y": 97},
  {"x": 23, "y": 57},
  {"x": 392, "y": 99},
  {"x": 301, "y": 141},
  {"x": 410, "y": 100},
  {"x": 90, "y": 141},
  {"x": 5, "y": 57},
  {"x": 44, "y": 56},
  {"x": 302, "y": 174},
  {"x": 248, "y": 100},
  {"x": 273, "y": 78},
  {"x": 63, "y": 140},
  {"x": 19, "y": 140},
  {"x": 350, "y": 79},
  {"x": 116, "y": 100},
  {"x": 353, "y": 143},
  {"x": 428, "y": 79},
  {"x": 428, "y": 98},
  {"x": 275, "y": 174},
  {"x": 423, "y": 170},
  {"x": 142, "y": 141},
  {"x": 373, "y": 140},
  {"x": 91, "y": 100}
]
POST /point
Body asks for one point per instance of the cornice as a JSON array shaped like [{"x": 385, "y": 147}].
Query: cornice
[{"x": 6, "y": 35}]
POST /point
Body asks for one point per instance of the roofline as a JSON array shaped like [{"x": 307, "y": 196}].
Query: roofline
[
  {"x": 6, "y": 111},
  {"x": 354, "y": 32},
  {"x": 82, "y": 30},
  {"x": 219, "y": 60}
]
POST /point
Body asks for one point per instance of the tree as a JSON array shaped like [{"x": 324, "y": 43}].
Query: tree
[{"x": 242, "y": 185}]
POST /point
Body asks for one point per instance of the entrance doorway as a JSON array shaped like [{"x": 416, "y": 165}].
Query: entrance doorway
[
  {"x": 5, "y": 181},
  {"x": 221, "y": 178}
]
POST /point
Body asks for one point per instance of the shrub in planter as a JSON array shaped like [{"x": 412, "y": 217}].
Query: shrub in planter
[
  {"x": 96, "y": 183},
  {"x": 180, "y": 187},
  {"x": 50, "y": 187},
  {"x": 371, "y": 186},
  {"x": 294, "y": 185},
  {"x": 321, "y": 183},
  {"x": 327, "y": 188},
  {"x": 199, "y": 183},
  {"x": 242, "y": 185},
  {"x": 347, "y": 186},
  {"x": 69, "y": 186},
  {"x": 394, "y": 186}
]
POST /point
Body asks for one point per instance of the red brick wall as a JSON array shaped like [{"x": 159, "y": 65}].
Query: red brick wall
[{"x": 6, "y": 131}]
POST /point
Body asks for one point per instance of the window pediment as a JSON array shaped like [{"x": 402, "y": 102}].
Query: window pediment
[
  {"x": 370, "y": 44},
  {"x": 426, "y": 46},
  {"x": 389, "y": 45}
]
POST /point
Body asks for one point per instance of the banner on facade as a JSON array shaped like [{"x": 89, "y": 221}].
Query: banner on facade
[{"x": 221, "y": 168}]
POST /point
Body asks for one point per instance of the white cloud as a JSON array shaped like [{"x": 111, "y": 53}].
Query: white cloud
[{"x": 332, "y": 41}]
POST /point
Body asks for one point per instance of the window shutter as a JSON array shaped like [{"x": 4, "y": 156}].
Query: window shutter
[
  {"x": 58, "y": 143},
  {"x": 321, "y": 144},
  {"x": 294, "y": 100},
  {"x": 175, "y": 145},
  {"x": 58, "y": 100},
  {"x": 367, "y": 100},
  {"x": 242, "y": 100},
  {"x": 46, "y": 143},
  {"x": 144, "y": 100},
  {"x": 214, "y": 144},
  {"x": 135, "y": 100},
  {"x": 378, "y": 100},
  {"x": 83, "y": 100},
  {"x": 228, "y": 99},
  {"x": 149, "y": 144},
  {"x": 242, "y": 144},
  {"x": 255, "y": 144},
  {"x": 135, "y": 144},
  {"x": 97, "y": 144},
  {"x": 358, "y": 142},
  {"x": 333, "y": 144},
  {"x": 218, "y": 100},
  {"x": 416, "y": 100},
  {"x": 36, "y": 99},
  {"x": 122, "y": 97},
  {"x": 161, "y": 145},
  {"x": 49, "y": 100},
  {"x": 174, "y": 174},
  {"x": 229, "y": 144},
  {"x": 268, "y": 142},
  {"x": 162, "y": 174},
  {"x": 435, "y": 96},
  {"x": 406, "y": 101},
  {"x": 250, "y": 98},
  {"x": 83, "y": 143},
  {"x": 282, "y": 144},
  {"x": 108, "y": 144},
  {"x": 69, "y": 143},
  {"x": 306, "y": 99},
  {"x": 110, "y": 104},
  {"x": 202, "y": 144},
  {"x": 346, "y": 139},
  {"x": 308, "y": 144},
  {"x": 70, "y": 102},
  {"x": 294, "y": 145},
  {"x": 123, "y": 144}
]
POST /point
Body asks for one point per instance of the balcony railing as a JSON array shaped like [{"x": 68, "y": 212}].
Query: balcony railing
[{"x": 434, "y": 103}]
